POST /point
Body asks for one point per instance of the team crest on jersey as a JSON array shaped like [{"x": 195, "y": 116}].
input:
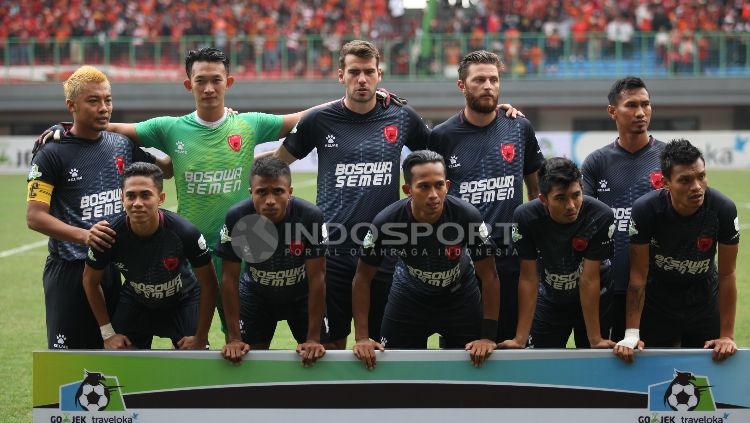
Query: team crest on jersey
[
  {"x": 202, "y": 243},
  {"x": 296, "y": 248},
  {"x": 453, "y": 162},
  {"x": 120, "y": 164},
  {"x": 704, "y": 243},
  {"x": 453, "y": 251},
  {"x": 170, "y": 263},
  {"x": 657, "y": 179},
  {"x": 508, "y": 151},
  {"x": 235, "y": 142},
  {"x": 580, "y": 244},
  {"x": 391, "y": 133}
]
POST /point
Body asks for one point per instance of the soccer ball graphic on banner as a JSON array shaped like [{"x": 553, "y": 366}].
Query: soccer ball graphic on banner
[
  {"x": 94, "y": 397},
  {"x": 93, "y": 394},
  {"x": 682, "y": 394}
]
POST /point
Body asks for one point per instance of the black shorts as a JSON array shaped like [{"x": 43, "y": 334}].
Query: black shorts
[
  {"x": 408, "y": 322},
  {"x": 340, "y": 270},
  {"x": 70, "y": 322},
  {"x": 258, "y": 318},
  {"x": 553, "y": 322},
  {"x": 669, "y": 325},
  {"x": 140, "y": 323}
]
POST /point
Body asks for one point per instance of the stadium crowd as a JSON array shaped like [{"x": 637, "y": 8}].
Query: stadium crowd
[{"x": 592, "y": 28}]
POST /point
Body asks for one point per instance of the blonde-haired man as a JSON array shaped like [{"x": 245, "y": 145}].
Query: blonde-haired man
[{"x": 73, "y": 184}]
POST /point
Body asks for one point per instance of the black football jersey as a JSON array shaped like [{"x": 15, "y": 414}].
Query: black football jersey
[
  {"x": 486, "y": 165},
  {"x": 282, "y": 277},
  {"x": 434, "y": 260},
  {"x": 617, "y": 178},
  {"x": 682, "y": 249},
  {"x": 156, "y": 269},
  {"x": 358, "y": 162},
  {"x": 560, "y": 248},
  {"x": 87, "y": 178}
]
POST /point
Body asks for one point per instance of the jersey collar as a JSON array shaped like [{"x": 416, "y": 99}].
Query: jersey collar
[
  {"x": 211, "y": 125},
  {"x": 650, "y": 143}
]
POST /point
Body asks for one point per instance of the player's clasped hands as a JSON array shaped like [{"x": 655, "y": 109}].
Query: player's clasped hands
[
  {"x": 100, "y": 236},
  {"x": 724, "y": 348},
  {"x": 364, "y": 350},
  {"x": 310, "y": 351},
  {"x": 480, "y": 350},
  {"x": 117, "y": 342},
  {"x": 234, "y": 350}
]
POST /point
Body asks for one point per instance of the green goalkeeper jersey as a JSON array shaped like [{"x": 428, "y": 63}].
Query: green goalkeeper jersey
[{"x": 211, "y": 164}]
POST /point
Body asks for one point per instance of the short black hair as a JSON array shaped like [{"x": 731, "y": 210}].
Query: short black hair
[
  {"x": 678, "y": 152},
  {"x": 420, "y": 157},
  {"x": 625, "y": 84},
  {"x": 206, "y": 54},
  {"x": 557, "y": 171},
  {"x": 270, "y": 167},
  {"x": 144, "y": 169},
  {"x": 479, "y": 57}
]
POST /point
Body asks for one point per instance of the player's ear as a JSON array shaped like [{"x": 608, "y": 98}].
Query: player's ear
[
  {"x": 340, "y": 73},
  {"x": 71, "y": 105},
  {"x": 291, "y": 189},
  {"x": 543, "y": 199},
  {"x": 406, "y": 188},
  {"x": 162, "y": 196},
  {"x": 461, "y": 85},
  {"x": 187, "y": 84},
  {"x": 447, "y": 184},
  {"x": 611, "y": 110},
  {"x": 230, "y": 81}
]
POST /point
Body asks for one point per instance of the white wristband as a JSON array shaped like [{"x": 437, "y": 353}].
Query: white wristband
[
  {"x": 632, "y": 336},
  {"x": 107, "y": 331}
]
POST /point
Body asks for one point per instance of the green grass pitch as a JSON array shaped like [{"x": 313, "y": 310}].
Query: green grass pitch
[{"x": 22, "y": 255}]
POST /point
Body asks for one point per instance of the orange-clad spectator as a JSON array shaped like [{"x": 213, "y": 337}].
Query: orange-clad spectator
[{"x": 580, "y": 30}]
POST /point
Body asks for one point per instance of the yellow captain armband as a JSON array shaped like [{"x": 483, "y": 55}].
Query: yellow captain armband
[{"x": 39, "y": 191}]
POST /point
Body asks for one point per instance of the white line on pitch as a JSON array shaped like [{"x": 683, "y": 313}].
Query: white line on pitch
[{"x": 21, "y": 249}]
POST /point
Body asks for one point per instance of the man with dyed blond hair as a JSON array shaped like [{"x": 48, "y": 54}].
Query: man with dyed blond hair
[{"x": 73, "y": 184}]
